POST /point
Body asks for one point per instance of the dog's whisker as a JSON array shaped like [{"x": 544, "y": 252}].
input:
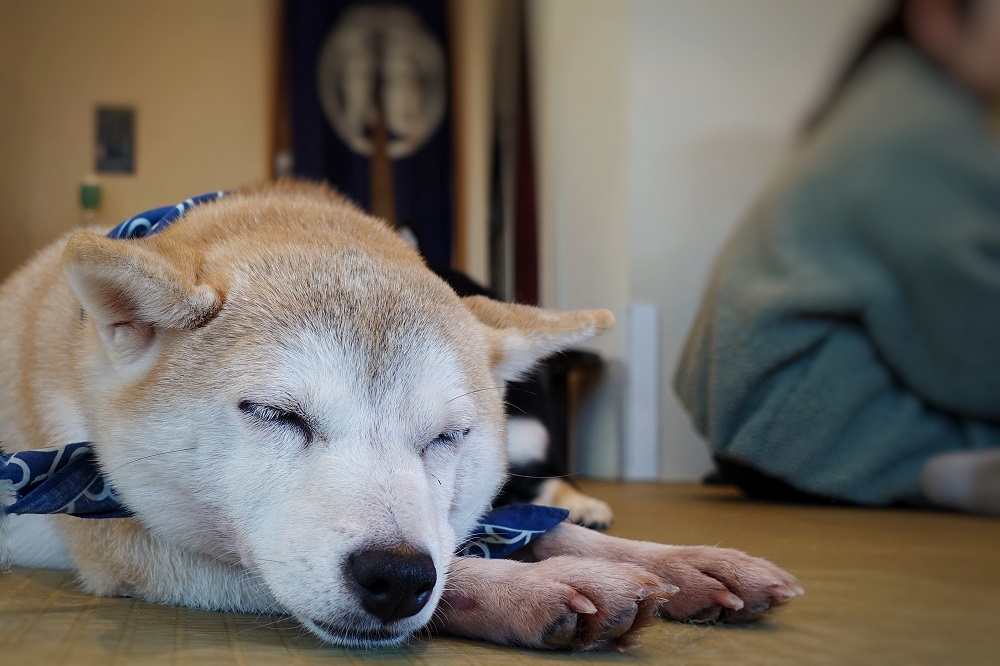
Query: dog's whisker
[
  {"x": 488, "y": 388},
  {"x": 431, "y": 627},
  {"x": 513, "y": 406},
  {"x": 470, "y": 517},
  {"x": 266, "y": 625},
  {"x": 153, "y": 455},
  {"x": 455, "y": 563},
  {"x": 544, "y": 476},
  {"x": 450, "y": 605}
]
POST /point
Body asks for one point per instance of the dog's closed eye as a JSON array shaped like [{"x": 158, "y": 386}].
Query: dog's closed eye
[
  {"x": 277, "y": 417},
  {"x": 447, "y": 438}
]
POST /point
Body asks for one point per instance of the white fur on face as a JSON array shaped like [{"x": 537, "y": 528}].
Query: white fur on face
[
  {"x": 291, "y": 509},
  {"x": 370, "y": 478}
]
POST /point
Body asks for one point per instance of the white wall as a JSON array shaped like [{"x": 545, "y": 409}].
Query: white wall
[{"x": 658, "y": 123}]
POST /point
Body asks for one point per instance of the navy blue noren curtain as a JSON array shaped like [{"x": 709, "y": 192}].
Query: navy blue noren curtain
[{"x": 422, "y": 180}]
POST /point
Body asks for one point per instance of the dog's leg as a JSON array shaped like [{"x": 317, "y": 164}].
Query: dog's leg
[
  {"x": 559, "y": 603},
  {"x": 716, "y": 584},
  {"x": 528, "y": 449},
  {"x": 583, "y": 509},
  {"x": 121, "y": 558}
]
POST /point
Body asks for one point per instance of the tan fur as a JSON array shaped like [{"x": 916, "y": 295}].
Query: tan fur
[
  {"x": 288, "y": 295},
  {"x": 583, "y": 509},
  {"x": 716, "y": 584},
  {"x": 562, "y": 603}
]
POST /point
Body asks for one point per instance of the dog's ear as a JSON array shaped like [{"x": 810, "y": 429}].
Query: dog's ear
[
  {"x": 132, "y": 291},
  {"x": 522, "y": 335}
]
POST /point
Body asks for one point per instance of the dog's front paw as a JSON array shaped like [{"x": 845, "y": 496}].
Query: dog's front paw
[
  {"x": 720, "y": 584},
  {"x": 562, "y": 603},
  {"x": 589, "y": 604}
]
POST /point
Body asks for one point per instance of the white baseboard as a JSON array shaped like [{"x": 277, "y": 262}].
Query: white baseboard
[{"x": 642, "y": 394}]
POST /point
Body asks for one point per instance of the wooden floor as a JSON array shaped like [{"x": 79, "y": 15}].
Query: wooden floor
[{"x": 882, "y": 587}]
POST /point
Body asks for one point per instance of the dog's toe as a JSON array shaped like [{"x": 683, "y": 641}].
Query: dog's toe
[
  {"x": 560, "y": 634},
  {"x": 608, "y": 603},
  {"x": 722, "y": 585},
  {"x": 562, "y": 602},
  {"x": 624, "y": 598}
]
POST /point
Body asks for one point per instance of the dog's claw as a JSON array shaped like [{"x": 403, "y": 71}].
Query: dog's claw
[
  {"x": 659, "y": 591},
  {"x": 582, "y": 604},
  {"x": 728, "y": 600},
  {"x": 783, "y": 593}
]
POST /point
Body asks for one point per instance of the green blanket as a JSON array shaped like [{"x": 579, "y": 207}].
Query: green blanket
[{"x": 851, "y": 329}]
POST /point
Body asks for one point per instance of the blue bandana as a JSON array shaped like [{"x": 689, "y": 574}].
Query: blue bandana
[
  {"x": 507, "y": 528},
  {"x": 67, "y": 479},
  {"x": 156, "y": 220},
  {"x": 63, "y": 479}
]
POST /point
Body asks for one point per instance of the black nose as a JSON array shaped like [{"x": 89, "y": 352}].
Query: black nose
[{"x": 393, "y": 583}]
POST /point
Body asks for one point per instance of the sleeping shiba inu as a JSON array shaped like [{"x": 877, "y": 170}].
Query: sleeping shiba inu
[{"x": 305, "y": 420}]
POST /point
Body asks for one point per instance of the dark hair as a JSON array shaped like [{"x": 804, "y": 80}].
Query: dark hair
[{"x": 891, "y": 26}]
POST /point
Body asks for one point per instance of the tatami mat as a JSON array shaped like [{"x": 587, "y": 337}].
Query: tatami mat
[{"x": 882, "y": 587}]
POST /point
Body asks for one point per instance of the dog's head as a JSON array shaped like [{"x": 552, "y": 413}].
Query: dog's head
[{"x": 279, "y": 382}]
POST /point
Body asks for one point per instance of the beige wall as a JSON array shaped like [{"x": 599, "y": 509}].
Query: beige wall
[
  {"x": 578, "y": 50},
  {"x": 199, "y": 73},
  {"x": 717, "y": 90}
]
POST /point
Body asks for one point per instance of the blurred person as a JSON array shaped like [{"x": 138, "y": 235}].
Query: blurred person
[{"x": 848, "y": 346}]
